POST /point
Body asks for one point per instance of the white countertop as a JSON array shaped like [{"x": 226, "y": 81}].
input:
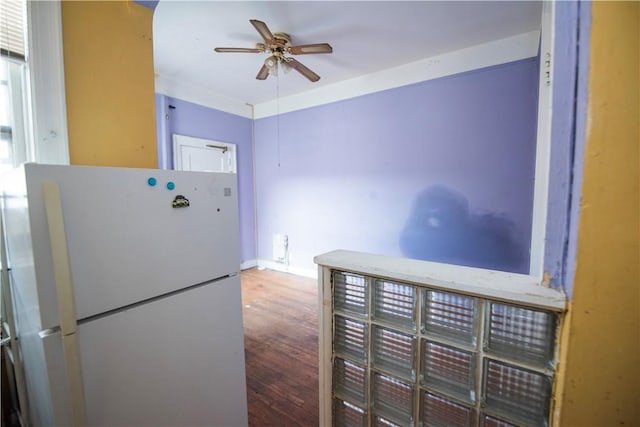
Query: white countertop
[{"x": 496, "y": 285}]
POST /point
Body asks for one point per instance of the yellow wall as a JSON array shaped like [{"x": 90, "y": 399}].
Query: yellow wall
[
  {"x": 109, "y": 78},
  {"x": 602, "y": 372}
]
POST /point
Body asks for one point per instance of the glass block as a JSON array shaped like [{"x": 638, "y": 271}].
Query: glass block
[
  {"x": 517, "y": 393},
  {"x": 350, "y": 293},
  {"x": 448, "y": 370},
  {"x": 520, "y": 333},
  {"x": 350, "y": 381},
  {"x": 489, "y": 421},
  {"x": 347, "y": 415},
  {"x": 450, "y": 316},
  {"x": 392, "y": 399},
  {"x": 350, "y": 338},
  {"x": 395, "y": 303},
  {"x": 437, "y": 411},
  {"x": 393, "y": 352},
  {"x": 382, "y": 422}
]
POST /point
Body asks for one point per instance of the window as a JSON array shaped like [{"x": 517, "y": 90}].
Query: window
[
  {"x": 12, "y": 29},
  {"x": 13, "y": 74},
  {"x": 32, "y": 96}
]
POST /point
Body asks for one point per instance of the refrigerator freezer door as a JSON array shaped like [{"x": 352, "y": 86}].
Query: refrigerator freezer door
[
  {"x": 133, "y": 234},
  {"x": 174, "y": 361}
]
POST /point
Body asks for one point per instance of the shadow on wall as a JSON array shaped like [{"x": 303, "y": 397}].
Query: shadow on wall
[{"x": 442, "y": 229}]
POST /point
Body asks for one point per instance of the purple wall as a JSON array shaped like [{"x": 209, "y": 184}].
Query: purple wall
[
  {"x": 571, "y": 52},
  {"x": 202, "y": 122},
  {"x": 441, "y": 170},
  {"x": 151, "y": 4}
]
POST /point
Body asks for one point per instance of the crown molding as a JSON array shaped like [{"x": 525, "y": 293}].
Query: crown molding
[{"x": 476, "y": 57}]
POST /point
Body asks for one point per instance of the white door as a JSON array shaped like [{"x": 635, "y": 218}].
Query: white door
[{"x": 196, "y": 154}]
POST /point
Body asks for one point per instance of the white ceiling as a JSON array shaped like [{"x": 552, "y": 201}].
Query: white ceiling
[{"x": 366, "y": 37}]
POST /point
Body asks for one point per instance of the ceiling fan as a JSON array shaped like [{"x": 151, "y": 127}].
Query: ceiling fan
[{"x": 279, "y": 44}]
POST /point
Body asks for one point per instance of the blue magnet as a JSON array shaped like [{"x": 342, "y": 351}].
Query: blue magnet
[
  {"x": 152, "y": 181},
  {"x": 170, "y": 185}
]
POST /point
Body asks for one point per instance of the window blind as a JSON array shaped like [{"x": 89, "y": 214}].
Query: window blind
[{"x": 12, "y": 29}]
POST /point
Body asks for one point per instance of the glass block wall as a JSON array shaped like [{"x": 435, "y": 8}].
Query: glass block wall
[{"x": 406, "y": 355}]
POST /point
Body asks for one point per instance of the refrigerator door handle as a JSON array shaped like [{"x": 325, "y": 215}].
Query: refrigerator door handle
[{"x": 66, "y": 305}]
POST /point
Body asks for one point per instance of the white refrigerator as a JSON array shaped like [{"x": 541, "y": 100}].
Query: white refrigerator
[{"x": 126, "y": 289}]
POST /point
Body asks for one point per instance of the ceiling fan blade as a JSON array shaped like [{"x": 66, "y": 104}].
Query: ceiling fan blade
[
  {"x": 263, "y": 73},
  {"x": 237, "y": 50},
  {"x": 262, "y": 28},
  {"x": 302, "y": 69},
  {"x": 310, "y": 48}
]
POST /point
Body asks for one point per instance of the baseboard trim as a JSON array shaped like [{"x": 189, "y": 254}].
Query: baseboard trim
[
  {"x": 246, "y": 265},
  {"x": 298, "y": 271}
]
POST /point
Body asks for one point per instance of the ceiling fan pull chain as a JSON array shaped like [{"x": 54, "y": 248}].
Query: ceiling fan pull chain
[{"x": 278, "y": 117}]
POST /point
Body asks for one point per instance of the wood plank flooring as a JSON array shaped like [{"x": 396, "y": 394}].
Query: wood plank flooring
[{"x": 281, "y": 348}]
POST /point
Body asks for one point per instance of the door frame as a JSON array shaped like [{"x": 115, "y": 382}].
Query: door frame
[{"x": 183, "y": 140}]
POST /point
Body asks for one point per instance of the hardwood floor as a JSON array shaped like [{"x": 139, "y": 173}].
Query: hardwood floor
[{"x": 281, "y": 348}]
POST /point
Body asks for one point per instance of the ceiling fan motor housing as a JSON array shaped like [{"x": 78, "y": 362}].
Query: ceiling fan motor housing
[
  {"x": 282, "y": 37},
  {"x": 279, "y": 45}
]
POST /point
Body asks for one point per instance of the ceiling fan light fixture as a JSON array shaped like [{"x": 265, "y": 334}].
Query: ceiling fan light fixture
[
  {"x": 271, "y": 62},
  {"x": 285, "y": 66}
]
